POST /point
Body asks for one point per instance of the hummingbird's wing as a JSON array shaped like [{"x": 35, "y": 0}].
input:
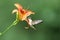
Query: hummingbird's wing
[{"x": 36, "y": 22}]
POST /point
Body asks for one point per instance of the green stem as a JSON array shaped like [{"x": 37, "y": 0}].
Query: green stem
[
  {"x": 14, "y": 23},
  {"x": 7, "y": 29}
]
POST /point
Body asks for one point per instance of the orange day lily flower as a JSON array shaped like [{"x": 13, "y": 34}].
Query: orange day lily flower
[{"x": 22, "y": 13}]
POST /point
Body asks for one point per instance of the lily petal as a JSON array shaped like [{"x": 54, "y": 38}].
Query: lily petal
[
  {"x": 18, "y": 5},
  {"x": 15, "y": 10}
]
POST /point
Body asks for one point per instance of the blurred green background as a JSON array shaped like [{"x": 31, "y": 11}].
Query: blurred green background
[{"x": 47, "y": 10}]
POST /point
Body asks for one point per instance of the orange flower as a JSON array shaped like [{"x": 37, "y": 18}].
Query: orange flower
[{"x": 22, "y": 13}]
